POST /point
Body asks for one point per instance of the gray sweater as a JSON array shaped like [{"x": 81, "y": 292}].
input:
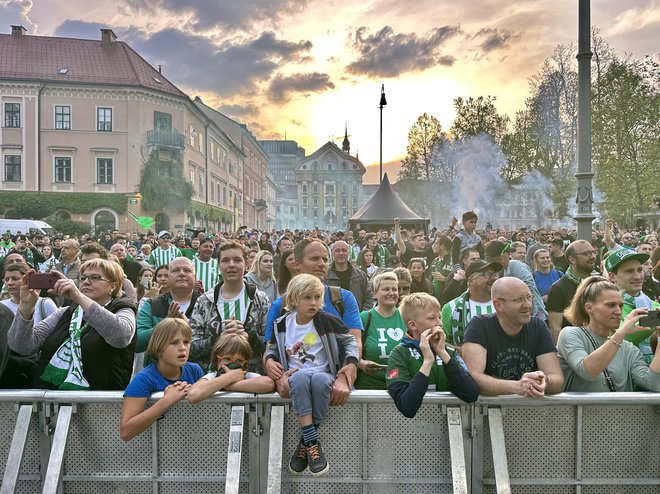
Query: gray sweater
[{"x": 626, "y": 369}]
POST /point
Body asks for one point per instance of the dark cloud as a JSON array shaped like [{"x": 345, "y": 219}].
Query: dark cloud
[
  {"x": 313, "y": 82},
  {"x": 494, "y": 39},
  {"x": 228, "y": 14},
  {"x": 235, "y": 67},
  {"x": 388, "y": 54},
  {"x": 235, "y": 110}
]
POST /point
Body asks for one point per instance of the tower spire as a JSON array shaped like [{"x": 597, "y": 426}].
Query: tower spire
[{"x": 346, "y": 144}]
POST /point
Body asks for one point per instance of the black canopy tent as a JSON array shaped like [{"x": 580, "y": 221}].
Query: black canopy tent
[{"x": 382, "y": 208}]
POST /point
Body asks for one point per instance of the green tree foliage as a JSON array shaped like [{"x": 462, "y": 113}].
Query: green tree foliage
[
  {"x": 424, "y": 145},
  {"x": 71, "y": 227},
  {"x": 626, "y": 136},
  {"x": 163, "y": 185},
  {"x": 38, "y": 205},
  {"x": 478, "y": 116}
]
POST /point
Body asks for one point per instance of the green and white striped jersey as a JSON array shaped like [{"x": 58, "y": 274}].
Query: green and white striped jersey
[
  {"x": 206, "y": 272},
  {"x": 158, "y": 256},
  {"x": 235, "y": 307}
]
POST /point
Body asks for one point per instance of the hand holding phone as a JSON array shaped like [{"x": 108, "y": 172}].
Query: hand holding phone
[
  {"x": 42, "y": 281},
  {"x": 651, "y": 320}
]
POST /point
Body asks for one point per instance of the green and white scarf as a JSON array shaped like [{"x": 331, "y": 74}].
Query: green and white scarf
[
  {"x": 570, "y": 274},
  {"x": 65, "y": 367}
]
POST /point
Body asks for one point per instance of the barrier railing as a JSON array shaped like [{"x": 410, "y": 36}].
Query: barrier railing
[{"x": 582, "y": 443}]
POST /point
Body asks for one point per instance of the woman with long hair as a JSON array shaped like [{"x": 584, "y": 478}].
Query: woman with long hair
[
  {"x": 420, "y": 283},
  {"x": 261, "y": 274},
  {"x": 287, "y": 271}
]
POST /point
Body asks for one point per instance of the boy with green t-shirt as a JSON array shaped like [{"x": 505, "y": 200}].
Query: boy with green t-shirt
[{"x": 421, "y": 361}]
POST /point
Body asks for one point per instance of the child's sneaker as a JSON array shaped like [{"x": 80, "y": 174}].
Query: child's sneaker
[
  {"x": 318, "y": 465},
  {"x": 298, "y": 462}
]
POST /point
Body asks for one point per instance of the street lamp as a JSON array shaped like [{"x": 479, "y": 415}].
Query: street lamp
[{"x": 382, "y": 103}]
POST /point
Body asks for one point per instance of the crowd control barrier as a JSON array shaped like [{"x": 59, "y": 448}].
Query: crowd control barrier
[{"x": 68, "y": 442}]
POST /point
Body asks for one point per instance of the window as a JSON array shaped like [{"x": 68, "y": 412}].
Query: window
[
  {"x": 162, "y": 121},
  {"x": 104, "y": 119},
  {"x": 12, "y": 168},
  {"x": 224, "y": 195},
  {"x": 13, "y": 115},
  {"x": 329, "y": 188},
  {"x": 304, "y": 212},
  {"x": 201, "y": 185},
  {"x": 104, "y": 170},
  {"x": 62, "y": 117},
  {"x": 63, "y": 170},
  {"x": 304, "y": 189}
]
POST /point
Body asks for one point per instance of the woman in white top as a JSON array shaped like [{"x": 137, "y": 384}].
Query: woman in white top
[{"x": 50, "y": 261}]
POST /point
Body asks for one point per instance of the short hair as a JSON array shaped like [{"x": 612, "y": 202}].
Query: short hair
[
  {"x": 540, "y": 251},
  {"x": 21, "y": 267},
  {"x": 443, "y": 241},
  {"x": 94, "y": 248},
  {"x": 231, "y": 344},
  {"x": 413, "y": 304},
  {"x": 469, "y": 215},
  {"x": 557, "y": 242},
  {"x": 403, "y": 274},
  {"x": 233, "y": 244},
  {"x": 588, "y": 290},
  {"x": 163, "y": 333},
  {"x": 111, "y": 270},
  {"x": 301, "y": 285},
  {"x": 515, "y": 245},
  {"x": 466, "y": 253},
  {"x": 570, "y": 250},
  {"x": 299, "y": 249},
  {"x": 380, "y": 277}
]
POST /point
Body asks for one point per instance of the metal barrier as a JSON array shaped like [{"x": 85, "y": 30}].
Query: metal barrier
[{"x": 571, "y": 443}]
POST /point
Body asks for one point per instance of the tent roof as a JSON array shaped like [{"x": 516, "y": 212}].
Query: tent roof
[{"x": 384, "y": 206}]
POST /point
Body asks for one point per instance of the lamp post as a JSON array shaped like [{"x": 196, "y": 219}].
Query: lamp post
[{"x": 382, "y": 103}]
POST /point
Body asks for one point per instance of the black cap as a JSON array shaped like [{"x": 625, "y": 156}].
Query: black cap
[
  {"x": 496, "y": 248},
  {"x": 480, "y": 266}
]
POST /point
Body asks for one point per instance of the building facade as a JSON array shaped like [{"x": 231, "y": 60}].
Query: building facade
[{"x": 86, "y": 116}]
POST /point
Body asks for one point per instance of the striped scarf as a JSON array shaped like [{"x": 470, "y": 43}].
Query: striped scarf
[{"x": 65, "y": 369}]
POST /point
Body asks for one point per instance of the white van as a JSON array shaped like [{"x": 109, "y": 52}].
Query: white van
[{"x": 27, "y": 227}]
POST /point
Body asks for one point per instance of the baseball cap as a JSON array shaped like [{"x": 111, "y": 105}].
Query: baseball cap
[
  {"x": 480, "y": 266},
  {"x": 496, "y": 248},
  {"x": 162, "y": 233},
  {"x": 621, "y": 255}
]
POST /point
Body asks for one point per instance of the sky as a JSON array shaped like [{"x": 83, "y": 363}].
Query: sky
[{"x": 305, "y": 69}]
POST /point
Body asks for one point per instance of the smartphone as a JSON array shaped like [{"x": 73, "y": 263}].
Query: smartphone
[
  {"x": 145, "y": 281},
  {"x": 42, "y": 281},
  {"x": 652, "y": 319}
]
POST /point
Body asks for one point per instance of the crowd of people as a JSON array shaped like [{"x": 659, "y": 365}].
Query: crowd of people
[{"x": 314, "y": 314}]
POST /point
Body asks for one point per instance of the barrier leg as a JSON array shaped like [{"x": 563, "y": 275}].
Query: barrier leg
[
  {"x": 458, "y": 472},
  {"x": 235, "y": 449},
  {"x": 274, "y": 483},
  {"x": 501, "y": 467},
  {"x": 54, "y": 470},
  {"x": 16, "y": 449}
]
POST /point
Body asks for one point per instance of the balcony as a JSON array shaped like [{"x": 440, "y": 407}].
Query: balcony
[
  {"x": 260, "y": 204},
  {"x": 170, "y": 139}
]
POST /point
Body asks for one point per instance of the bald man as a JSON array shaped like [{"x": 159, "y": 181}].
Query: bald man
[
  {"x": 511, "y": 352},
  {"x": 342, "y": 273}
]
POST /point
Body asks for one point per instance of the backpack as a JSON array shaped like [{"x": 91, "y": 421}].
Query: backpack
[{"x": 335, "y": 299}]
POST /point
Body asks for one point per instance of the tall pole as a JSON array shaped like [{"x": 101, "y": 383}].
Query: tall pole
[
  {"x": 584, "y": 175},
  {"x": 382, "y": 103}
]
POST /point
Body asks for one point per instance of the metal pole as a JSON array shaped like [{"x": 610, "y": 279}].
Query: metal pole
[
  {"x": 584, "y": 175},
  {"x": 382, "y": 103}
]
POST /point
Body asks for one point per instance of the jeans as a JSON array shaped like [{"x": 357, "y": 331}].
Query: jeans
[{"x": 310, "y": 394}]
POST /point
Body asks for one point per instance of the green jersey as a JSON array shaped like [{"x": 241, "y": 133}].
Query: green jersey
[
  {"x": 642, "y": 339},
  {"x": 159, "y": 257},
  {"x": 405, "y": 361},
  {"x": 235, "y": 307},
  {"x": 206, "y": 272},
  {"x": 381, "y": 335},
  {"x": 457, "y": 313}
]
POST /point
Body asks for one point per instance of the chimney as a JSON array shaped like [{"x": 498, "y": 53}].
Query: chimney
[
  {"x": 18, "y": 31},
  {"x": 108, "y": 37}
]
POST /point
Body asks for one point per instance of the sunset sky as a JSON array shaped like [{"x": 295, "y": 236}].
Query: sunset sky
[{"x": 302, "y": 68}]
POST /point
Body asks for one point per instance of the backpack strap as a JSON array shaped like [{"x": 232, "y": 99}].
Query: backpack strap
[{"x": 336, "y": 299}]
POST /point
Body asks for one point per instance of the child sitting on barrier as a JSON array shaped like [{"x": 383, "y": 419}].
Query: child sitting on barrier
[
  {"x": 230, "y": 357},
  {"x": 308, "y": 341},
  {"x": 170, "y": 372},
  {"x": 422, "y": 362}
]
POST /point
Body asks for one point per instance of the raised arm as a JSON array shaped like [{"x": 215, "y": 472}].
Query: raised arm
[{"x": 401, "y": 245}]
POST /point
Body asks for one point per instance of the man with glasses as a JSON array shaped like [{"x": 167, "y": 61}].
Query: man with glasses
[
  {"x": 457, "y": 313},
  {"x": 581, "y": 258},
  {"x": 541, "y": 243},
  {"x": 511, "y": 352},
  {"x": 165, "y": 253}
]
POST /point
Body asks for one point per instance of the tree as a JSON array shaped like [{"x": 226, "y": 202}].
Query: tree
[
  {"x": 163, "y": 185},
  {"x": 424, "y": 144},
  {"x": 478, "y": 116}
]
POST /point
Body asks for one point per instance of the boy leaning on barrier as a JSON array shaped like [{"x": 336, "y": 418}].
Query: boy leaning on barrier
[
  {"x": 421, "y": 361},
  {"x": 306, "y": 342}
]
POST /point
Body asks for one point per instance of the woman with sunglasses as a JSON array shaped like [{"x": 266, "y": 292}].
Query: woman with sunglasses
[{"x": 88, "y": 345}]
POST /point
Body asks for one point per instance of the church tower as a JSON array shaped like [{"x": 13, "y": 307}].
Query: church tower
[{"x": 346, "y": 144}]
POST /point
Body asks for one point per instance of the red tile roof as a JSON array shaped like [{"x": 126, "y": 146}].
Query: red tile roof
[{"x": 40, "y": 58}]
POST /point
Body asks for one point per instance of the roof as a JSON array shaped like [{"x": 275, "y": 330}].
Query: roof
[
  {"x": 384, "y": 206},
  {"x": 44, "y": 59},
  {"x": 331, "y": 146}
]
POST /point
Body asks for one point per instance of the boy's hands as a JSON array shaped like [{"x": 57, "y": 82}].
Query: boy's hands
[
  {"x": 274, "y": 369},
  {"x": 425, "y": 345}
]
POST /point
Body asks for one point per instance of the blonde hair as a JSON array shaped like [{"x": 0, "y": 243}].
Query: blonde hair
[
  {"x": 413, "y": 304},
  {"x": 380, "y": 277},
  {"x": 110, "y": 269},
  {"x": 256, "y": 264},
  {"x": 587, "y": 291},
  {"x": 301, "y": 285},
  {"x": 231, "y": 344},
  {"x": 163, "y": 333}
]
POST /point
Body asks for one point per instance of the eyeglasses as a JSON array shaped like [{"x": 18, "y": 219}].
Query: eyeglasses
[
  {"x": 588, "y": 253},
  {"x": 92, "y": 278},
  {"x": 519, "y": 300},
  {"x": 487, "y": 275}
]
